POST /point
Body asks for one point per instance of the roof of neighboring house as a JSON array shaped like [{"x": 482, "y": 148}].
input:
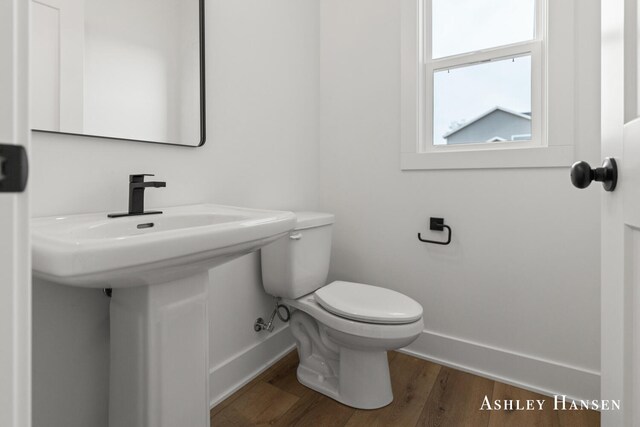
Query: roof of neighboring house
[{"x": 485, "y": 114}]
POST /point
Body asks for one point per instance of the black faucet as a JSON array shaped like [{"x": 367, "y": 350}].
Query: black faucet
[{"x": 137, "y": 186}]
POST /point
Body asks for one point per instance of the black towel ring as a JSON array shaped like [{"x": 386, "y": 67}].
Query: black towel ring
[{"x": 437, "y": 224}]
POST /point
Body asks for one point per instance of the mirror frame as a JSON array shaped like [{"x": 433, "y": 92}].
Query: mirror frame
[{"x": 203, "y": 109}]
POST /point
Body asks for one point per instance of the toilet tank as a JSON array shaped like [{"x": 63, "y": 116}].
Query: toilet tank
[{"x": 298, "y": 264}]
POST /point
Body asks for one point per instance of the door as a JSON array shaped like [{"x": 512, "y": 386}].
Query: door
[
  {"x": 15, "y": 270},
  {"x": 57, "y": 64},
  {"x": 620, "y": 291}
]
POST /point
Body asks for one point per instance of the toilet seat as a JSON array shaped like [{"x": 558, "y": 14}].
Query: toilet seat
[
  {"x": 309, "y": 305},
  {"x": 366, "y": 303}
]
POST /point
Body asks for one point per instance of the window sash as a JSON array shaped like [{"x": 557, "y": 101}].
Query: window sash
[
  {"x": 425, "y": 9},
  {"x": 534, "y": 49}
]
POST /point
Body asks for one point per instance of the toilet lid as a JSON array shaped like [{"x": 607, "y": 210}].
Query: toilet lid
[{"x": 366, "y": 303}]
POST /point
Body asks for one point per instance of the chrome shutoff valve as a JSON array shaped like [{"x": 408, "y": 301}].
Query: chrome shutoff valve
[{"x": 280, "y": 310}]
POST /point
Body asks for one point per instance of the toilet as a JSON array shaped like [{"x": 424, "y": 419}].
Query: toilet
[{"x": 342, "y": 330}]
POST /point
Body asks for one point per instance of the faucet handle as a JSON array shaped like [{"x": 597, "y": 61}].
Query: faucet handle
[{"x": 139, "y": 177}]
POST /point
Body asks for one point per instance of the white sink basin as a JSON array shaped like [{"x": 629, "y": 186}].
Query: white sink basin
[
  {"x": 99, "y": 252},
  {"x": 158, "y": 266}
]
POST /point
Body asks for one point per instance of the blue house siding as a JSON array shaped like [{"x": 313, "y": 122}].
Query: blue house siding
[{"x": 496, "y": 124}]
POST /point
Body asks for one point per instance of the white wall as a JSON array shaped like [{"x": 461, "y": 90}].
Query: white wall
[
  {"x": 263, "y": 74},
  {"x": 516, "y": 295},
  {"x": 261, "y": 151}
]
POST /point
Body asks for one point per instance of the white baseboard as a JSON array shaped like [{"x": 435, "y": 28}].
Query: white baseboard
[
  {"x": 541, "y": 376},
  {"x": 232, "y": 374},
  {"x": 531, "y": 373}
]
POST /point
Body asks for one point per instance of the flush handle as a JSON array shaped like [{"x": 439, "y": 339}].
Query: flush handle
[{"x": 295, "y": 236}]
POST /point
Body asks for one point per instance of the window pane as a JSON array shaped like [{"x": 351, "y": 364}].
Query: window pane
[
  {"x": 485, "y": 102},
  {"x": 461, "y": 26}
]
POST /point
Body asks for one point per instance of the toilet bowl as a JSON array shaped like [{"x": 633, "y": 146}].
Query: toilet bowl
[{"x": 342, "y": 330}]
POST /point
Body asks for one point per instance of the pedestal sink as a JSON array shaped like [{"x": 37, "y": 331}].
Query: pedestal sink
[{"x": 158, "y": 268}]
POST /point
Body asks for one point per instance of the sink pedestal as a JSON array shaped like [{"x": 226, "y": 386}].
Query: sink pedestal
[{"x": 159, "y": 355}]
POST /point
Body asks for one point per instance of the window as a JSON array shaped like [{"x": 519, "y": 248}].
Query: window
[{"x": 474, "y": 84}]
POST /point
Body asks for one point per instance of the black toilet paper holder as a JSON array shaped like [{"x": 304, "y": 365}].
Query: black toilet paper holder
[{"x": 437, "y": 224}]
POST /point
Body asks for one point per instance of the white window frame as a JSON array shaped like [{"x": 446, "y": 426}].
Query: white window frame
[{"x": 551, "y": 53}]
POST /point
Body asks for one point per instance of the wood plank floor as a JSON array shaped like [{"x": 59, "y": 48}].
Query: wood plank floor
[{"x": 425, "y": 394}]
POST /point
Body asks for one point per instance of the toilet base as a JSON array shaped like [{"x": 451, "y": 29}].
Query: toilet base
[
  {"x": 356, "y": 378},
  {"x": 363, "y": 380}
]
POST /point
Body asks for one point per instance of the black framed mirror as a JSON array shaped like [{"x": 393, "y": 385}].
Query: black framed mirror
[{"x": 119, "y": 69}]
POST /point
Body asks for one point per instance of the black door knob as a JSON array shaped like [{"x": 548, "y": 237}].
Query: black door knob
[{"x": 582, "y": 175}]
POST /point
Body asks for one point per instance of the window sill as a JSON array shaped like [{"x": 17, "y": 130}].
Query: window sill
[{"x": 533, "y": 157}]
